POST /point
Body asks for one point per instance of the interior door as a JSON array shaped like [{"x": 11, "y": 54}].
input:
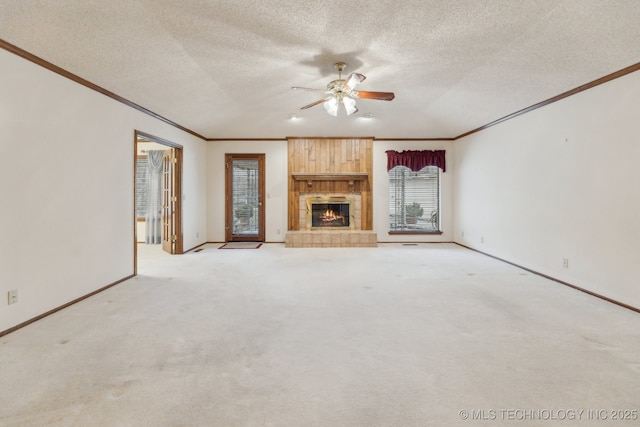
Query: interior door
[
  {"x": 169, "y": 201},
  {"x": 244, "y": 206}
]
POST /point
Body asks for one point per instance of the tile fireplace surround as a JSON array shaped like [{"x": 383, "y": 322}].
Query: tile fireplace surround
[{"x": 305, "y": 237}]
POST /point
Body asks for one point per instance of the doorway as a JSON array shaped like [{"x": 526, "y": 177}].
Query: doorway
[
  {"x": 157, "y": 194},
  {"x": 244, "y": 198}
]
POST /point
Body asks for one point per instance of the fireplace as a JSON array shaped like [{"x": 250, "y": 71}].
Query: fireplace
[
  {"x": 332, "y": 232},
  {"x": 331, "y": 215}
]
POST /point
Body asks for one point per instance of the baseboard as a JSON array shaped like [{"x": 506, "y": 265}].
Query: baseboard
[
  {"x": 562, "y": 282},
  {"x": 62, "y": 307}
]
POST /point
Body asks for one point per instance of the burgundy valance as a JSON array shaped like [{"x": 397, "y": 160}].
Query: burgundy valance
[{"x": 416, "y": 159}]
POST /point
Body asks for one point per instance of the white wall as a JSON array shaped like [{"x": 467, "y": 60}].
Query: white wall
[
  {"x": 381, "y": 191},
  {"x": 560, "y": 182},
  {"x": 66, "y": 181},
  {"x": 275, "y": 185}
]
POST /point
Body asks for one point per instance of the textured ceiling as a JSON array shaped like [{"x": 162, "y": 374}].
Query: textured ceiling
[{"x": 224, "y": 69}]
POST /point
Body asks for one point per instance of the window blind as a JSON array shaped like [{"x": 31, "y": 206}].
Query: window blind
[{"x": 142, "y": 186}]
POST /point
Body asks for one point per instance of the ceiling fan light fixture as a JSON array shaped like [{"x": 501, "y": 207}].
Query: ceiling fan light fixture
[
  {"x": 349, "y": 105},
  {"x": 353, "y": 80},
  {"x": 331, "y": 106}
]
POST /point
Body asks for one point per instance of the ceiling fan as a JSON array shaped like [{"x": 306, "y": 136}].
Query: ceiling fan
[{"x": 342, "y": 92}]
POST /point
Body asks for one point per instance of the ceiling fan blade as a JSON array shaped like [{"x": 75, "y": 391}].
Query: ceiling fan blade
[
  {"x": 319, "y": 101},
  {"x": 353, "y": 80},
  {"x": 382, "y": 96},
  {"x": 308, "y": 89}
]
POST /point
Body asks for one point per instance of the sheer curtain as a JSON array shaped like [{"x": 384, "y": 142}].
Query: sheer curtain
[{"x": 153, "y": 217}]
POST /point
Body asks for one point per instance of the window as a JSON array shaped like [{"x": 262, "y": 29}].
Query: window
[
  {"x": 142, "y": 186},
  {"x": 414, "y": 199}
]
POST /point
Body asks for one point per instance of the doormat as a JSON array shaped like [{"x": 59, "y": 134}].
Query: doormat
[{"x": 241, "y": 245}]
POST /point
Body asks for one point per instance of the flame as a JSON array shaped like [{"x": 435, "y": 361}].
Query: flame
[{"x": 330, "y": 216}]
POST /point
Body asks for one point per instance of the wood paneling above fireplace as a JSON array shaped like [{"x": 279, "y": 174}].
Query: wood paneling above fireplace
[{"x": 331, "y": 166}]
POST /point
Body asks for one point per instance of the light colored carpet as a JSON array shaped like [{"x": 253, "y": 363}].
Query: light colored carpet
[{"x": 396, "y": 335}]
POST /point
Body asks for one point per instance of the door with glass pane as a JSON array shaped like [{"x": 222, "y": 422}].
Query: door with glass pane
[
  {"x": 244, "y": 197},
  {"x": 171, "y": 190}
]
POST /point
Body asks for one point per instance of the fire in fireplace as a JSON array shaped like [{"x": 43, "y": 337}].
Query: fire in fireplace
[{"x": 329, "y": 215}]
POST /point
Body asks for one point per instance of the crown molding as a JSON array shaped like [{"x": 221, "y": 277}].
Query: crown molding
[
  {"x": 609, "y": 77},
  {"x": 51, "y": 67}
]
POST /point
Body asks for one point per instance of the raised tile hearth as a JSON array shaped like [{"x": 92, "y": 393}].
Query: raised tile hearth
[{"x": 331, "y": 239}]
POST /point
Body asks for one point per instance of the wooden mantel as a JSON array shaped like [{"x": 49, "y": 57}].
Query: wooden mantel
[{"x": 350, "y": 177}]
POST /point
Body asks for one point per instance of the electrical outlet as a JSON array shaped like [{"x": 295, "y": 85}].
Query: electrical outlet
[
  {"x": 462, "y": 234},
  {"x": 482, "y": 239},
  {"x": 565, "y": 263},
  {"x": 278, "y": 232},
  {"x": 12, "y": 296}
]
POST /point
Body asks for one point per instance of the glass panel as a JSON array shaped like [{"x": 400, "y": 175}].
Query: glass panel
[
  {"x": 245, "y": 197},
  {"x": 330, "y": 215},
  {"x": 142, "y": 186}
]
